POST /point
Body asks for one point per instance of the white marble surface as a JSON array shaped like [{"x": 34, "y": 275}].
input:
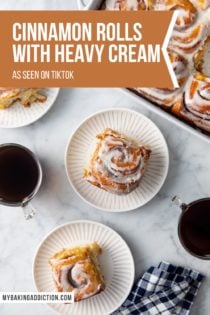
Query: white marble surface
[{"x": 151, "y": 231}]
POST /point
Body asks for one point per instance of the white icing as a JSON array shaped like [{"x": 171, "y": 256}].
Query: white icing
[
  {"x": 160, "y": 96},
  {"x": 64, "y": 278},
  {"x": 206, "y": 93},
  {"x": 199, "y": 104},
  {"x": 120, "y": 174},
  {"x": 118, "y": 163},
  {"x": 179, "y": 39},
  {"x": 73, "y": 278}
]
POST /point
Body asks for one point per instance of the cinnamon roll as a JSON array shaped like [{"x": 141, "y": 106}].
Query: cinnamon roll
[
  {"x": 195, "y": 104},
  {"x": 188, "y": 32},
  {"x": 118, "y": 163},
  {"x": 126, "y": 5},
  {"x": 189, "y": 40},
  {"x": 187, "y": 13},
  {"x": 77, "y": 270},
  {"x": 202, "y": 58},
  {"x": 8, "y": 96},
  {"x": 167, "y": 97}
]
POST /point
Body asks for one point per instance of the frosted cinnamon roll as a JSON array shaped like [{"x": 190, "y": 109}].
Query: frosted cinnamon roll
[
  {"x": 187, "y": 13},
  {"x": 189, "y": 40},
  {"x": 188, "y": 33},
  {"x": 118, "y": 163},
  {"x": 167, "y": 97},
  {"x": 77, "y": 270},
  {"x": 195, "y": 104},
  {"x": 202, "y": 58}
]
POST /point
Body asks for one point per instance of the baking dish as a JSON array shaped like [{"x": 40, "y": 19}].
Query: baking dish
[{"x": 94, "y": 5}]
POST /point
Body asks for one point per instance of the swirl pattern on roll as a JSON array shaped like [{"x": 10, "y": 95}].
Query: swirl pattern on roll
[
  {"x": 195, "y": 105},
  {"x": 76, "y": 270},
  {"x": 187, "y": 13},
  {"x": 188, "y": 32},
  {"x": 118, "y": 163}
]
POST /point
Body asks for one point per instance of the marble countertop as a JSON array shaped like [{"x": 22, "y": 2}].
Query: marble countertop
[{"x": 151, "y": 232}]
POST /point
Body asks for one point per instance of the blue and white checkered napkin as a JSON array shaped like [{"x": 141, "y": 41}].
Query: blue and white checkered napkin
[{"x": 165, "y": 289}]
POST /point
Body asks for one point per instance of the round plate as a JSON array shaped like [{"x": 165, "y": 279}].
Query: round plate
[
  {"x": 134, "y": 125},
  {"x": 19, "y": 116},
  {"x": 116, "y": 263}
]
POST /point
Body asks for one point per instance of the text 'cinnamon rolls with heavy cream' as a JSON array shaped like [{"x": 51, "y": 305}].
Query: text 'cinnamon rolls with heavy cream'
[
  {"x": 118, "y": 163},
  {"x": 77, "y": 270},
  {"x": 189, "y": 51}
]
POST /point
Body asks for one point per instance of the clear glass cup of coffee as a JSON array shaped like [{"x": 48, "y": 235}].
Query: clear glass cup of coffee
[
  {"x": 20, "y": 177},
  {"x": 194, "y": 226}
]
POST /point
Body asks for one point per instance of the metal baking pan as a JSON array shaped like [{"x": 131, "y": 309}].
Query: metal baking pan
[{"x": 94, "y": 5}]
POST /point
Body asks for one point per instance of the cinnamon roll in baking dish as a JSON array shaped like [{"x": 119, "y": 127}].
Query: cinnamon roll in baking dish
[
  {"x": 118, "y": 163},
  {"x": 27, "y": 96},
  {"x": 195, "y": 104},
  {"x": 189, "y": 31},
  {"x": 77, "y": 270},
  {"x": 189, "y": 51}
]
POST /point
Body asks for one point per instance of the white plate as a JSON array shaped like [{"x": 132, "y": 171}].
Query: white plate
[
  {"x": 18, "y": 116},
  {"x": 116, "y": 262},
  {"x": 134, "y": 125}
]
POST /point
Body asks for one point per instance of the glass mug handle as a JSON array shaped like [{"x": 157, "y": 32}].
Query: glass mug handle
[
  {"x": 28, "y": 210},
  {"x": 176, "y": 200}
]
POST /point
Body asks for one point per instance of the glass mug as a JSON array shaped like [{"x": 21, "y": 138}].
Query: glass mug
[
  {"x": 20, "y": 177},
  {"x": 194, "y": 226}
]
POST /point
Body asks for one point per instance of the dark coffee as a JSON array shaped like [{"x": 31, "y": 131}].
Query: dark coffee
[
  {"x": 19, "y": 174},
  {"x": 194, "y": 228}
]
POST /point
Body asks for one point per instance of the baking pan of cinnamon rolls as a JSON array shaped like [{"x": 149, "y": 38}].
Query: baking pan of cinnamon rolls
[{"x": 189, "y": 52}]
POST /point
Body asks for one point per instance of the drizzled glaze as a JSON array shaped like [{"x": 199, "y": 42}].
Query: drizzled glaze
[
  {"x": 197, "y": 96},
  {"x": 118, "y": 163},
  {"x": 195, "y": 104}
]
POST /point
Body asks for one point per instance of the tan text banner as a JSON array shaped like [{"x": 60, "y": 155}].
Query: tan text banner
[{"x": 84, "y": 49}]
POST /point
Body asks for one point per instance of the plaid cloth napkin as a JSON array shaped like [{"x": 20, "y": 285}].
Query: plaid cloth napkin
[{"x": 165, "y": 289}]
